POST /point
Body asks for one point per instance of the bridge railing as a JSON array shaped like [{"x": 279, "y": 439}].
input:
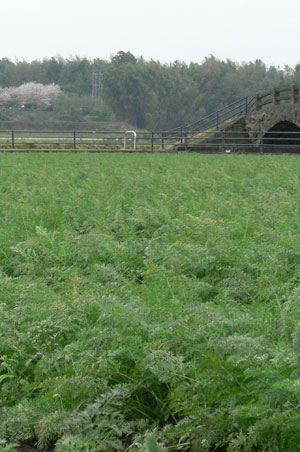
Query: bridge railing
[
  {"x": 214, "y": 120},
  {"x": 237, "y": 108},
  {"x": 229, "y": 112},
  {"x": 278, "y": 96}
]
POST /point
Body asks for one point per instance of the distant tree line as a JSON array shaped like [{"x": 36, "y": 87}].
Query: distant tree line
[{"x": 147, "y": 94}]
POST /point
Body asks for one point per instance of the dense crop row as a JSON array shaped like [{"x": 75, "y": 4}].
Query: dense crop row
[{"x": 150, "y": 303}]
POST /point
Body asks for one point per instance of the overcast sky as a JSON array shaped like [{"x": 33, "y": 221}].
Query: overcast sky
[{"x": 164, "y": 30}]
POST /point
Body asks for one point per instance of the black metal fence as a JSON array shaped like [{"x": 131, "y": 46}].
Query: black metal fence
[
  {"x": 206, "y": 141},
  {"x": 24, "y": 140},
  {"x": 229, "y": 141}
]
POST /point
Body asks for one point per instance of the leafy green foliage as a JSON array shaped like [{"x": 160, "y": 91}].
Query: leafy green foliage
[
  {"x": 150, "y": 303},
  {"x": 7, "y": 447},
  {"x": 146, "y": 94}
]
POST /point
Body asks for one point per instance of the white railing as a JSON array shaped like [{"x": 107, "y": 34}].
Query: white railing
[{"x": 134, "y": 139}]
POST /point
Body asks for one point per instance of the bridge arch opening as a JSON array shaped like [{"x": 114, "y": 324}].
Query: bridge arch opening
[{"x": 284, "y": 133}]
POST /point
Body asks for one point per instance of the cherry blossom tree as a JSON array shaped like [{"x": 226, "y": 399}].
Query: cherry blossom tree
[{"x": 30, "y": 95}]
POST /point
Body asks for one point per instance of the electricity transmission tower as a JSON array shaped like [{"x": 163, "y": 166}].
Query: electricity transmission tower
[{"x": 97, "y": 78}]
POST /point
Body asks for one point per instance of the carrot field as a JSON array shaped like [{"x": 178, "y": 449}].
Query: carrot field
[{"x": 150, "y": 303}]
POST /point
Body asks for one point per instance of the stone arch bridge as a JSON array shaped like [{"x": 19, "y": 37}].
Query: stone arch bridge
[{"x": 266, "y": 122}]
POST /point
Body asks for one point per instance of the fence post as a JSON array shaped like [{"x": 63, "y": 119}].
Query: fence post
[
  {"x": 74, "y": 140},
  {"x": 261, "y": 142},
  {"x": 276, "y": 97},
  {"x": 181, "y": 135},
  {"x": 246, "y": 106},
  {"x": 217, "y": 119},
  {"x": 186, "y": 140},
  {"x": 152, "y": 141},
  {"x": 162, "y": 141},
  {"x": 295, "y": 95},
  {"x": 13, "y": 139},
  {"x": 258, "y": 105}
]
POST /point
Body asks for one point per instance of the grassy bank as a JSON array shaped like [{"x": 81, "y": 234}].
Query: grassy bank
[{"x": 150, "y": 303}]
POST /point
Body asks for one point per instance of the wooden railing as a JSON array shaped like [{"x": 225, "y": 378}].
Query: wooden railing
[{"x": 278, "y": 96}]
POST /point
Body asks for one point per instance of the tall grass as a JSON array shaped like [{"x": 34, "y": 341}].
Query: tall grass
[{"x": 150, "y": 303}]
